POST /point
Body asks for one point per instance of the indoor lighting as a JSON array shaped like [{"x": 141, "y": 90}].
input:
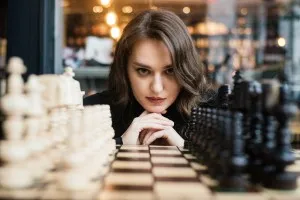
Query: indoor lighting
[
  {"x": 65, "y": 3},
  {"x": 111, "y": 18},
  {"x": 97, "y": 9},
  {"x": 281, "y": 42},
  {"x": 186, "y": 10},
  {"x": 244, "y": 11},
  {"x": 115, "y": 32},
  {"x": 127, "y": 9},
  {"x": 105, "y": 3}
]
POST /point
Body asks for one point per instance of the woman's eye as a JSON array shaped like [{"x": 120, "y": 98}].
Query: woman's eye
[
  {"x": 170, "y": 71},
  {"x": 143, "y": 71}
]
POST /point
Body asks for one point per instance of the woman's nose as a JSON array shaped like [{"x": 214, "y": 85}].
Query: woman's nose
[{"x": 157, "y": 84}]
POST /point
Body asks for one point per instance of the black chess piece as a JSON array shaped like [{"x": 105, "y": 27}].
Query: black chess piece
[
  {"x": 190, "y": 128},
  {"x": 217, "y": 146},
  {"x": 255, "y": 140},
  {"x": 268, "y": 128},
  {"x": 283, "y": 156},
  {"x": 223, "y": 96},
  {"x": 234, "y": 161},
  {"x": 234, "y": 97}
]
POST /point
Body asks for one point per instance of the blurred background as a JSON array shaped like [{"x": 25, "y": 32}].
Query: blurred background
[{"x": 259, "y": 37}]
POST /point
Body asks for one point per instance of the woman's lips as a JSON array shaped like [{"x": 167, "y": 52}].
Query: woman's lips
[{"x": 156, "y": 100}]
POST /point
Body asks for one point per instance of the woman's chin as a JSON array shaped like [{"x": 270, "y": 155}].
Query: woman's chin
[{"x": 160, "y": 110}]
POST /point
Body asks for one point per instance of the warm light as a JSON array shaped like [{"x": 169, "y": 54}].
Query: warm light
[
  {"x": 211, "y": 28},
  {"x": 186, "y": 10},
  {"x": 154, "y": 8},
  {"x": 127, "y": 9},
  {"x": 244, "y": 11},
  {"x": 111, "y": 18},
  {"x": 65, "y": 3},
  {"x": 281, "y": 42},
  {"x": 211, "y": 68},
  {"x": 105, "y": 3},
  {"x": 97, "y": 9},
  {"x": 247, "y": 31},
  {"x": 115, "y": 32},
  {"x": 191, "y": 29}
]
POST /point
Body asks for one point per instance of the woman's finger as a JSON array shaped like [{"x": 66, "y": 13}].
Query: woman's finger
[
  {"x": 156, "y": 116},
  {"x": 144, "y": 113},
  {"x": 149, "y": 133},
  {"x": 162, "y": 122},
  {"x": 151, "y": 125},
  {"x": 142, "y": 135},
  {"x": 154, "y": 136}
]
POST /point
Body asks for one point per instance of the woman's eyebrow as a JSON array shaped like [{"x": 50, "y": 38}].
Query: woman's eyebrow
[
  {"x": 146, "y": 66},
  {"x": 168, "y": 66},
  {"x": 141, "y": 65}
]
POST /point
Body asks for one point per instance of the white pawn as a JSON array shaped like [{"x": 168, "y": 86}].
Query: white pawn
[
  {"x": 14, "y": 150},
  {"x": 35, "y": 112},
  {"x": 73, "y": 92},
  {"x": 74, "y": 177}
]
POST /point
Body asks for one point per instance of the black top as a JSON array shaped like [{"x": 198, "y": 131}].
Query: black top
[{"x": 122, "y": 118}]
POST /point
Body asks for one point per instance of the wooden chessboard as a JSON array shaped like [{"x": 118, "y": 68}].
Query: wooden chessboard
[{"x": 152, "y": 172}]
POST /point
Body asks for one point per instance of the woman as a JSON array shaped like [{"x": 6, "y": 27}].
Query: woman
[{"x": 155, "y": 79}]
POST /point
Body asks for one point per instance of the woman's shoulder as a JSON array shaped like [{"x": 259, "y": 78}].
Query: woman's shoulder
[{"x": 104, "y": 97}]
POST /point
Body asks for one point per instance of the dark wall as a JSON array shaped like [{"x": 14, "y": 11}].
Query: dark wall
[
  {"x": 3, "y": 18},
  {"x": 30, "y": 34}
]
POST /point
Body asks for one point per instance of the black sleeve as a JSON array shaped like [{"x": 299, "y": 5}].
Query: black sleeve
[
  {"x": 98, "y": 98},
  {"x": 119, "y": 140}
]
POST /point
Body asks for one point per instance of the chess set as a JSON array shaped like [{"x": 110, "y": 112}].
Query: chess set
[
  {"x": 151, "y": 172},
  {"x": 54, "y": 148}
]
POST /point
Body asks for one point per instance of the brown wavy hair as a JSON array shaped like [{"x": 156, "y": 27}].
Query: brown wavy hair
[{"x": 167, "y": 27}]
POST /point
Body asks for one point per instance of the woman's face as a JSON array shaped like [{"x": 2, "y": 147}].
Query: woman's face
[{"x": 151, "y": 75}]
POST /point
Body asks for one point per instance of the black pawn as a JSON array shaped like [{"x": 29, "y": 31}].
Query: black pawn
[
  {"x": 283, "y": 156},
  {"x": 268, "y": 128},
  {"x": 255, "y": 140},
  {"x": 235, "y": 161}
]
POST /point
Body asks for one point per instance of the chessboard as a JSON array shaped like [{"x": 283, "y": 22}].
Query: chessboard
[{"x": 152, "y": 172}]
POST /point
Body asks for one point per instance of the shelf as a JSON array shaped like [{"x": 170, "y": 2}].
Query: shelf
[{"x": 92, "y": 72}]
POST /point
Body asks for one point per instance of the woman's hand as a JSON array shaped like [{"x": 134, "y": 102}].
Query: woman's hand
[
  {"x": 145, "y": 121},
  {"x": 169, "y": 135}
]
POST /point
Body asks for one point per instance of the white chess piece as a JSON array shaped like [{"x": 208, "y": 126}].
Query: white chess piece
[
  {"x": 73, "y": 94},
  {"x": 74, "y": 177},
  {"x": 14, "y": 150},
  {"x": 34, "y": 116}
]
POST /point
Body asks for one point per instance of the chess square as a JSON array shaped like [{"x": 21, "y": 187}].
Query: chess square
[
  {"x": 293, "y": 168},
  {"x": 129, "y": 179},
  {"x": 133, "y": 155},
  {"x": 282, "y": 195},
  {"x": 188, "y": 190},
  {"x": 126, "y": 195},
  {"x": 131, "y": 165},
  {"x": 168, "y": 160},
  {"x": 152, "y": 147},
  {"x": 174, "y": 172},
  {"x": 189, "y": 156},
  {"x": 184, "y": 150},
  {"x": 238, "y": 196},
  {"x": 198, "y": 167},
  {"x": 297, "y": 156},
  {"x": 134, "y": 147},
  {"x": 208, "y": 181},
  {"x": 165, "y": 152}
]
